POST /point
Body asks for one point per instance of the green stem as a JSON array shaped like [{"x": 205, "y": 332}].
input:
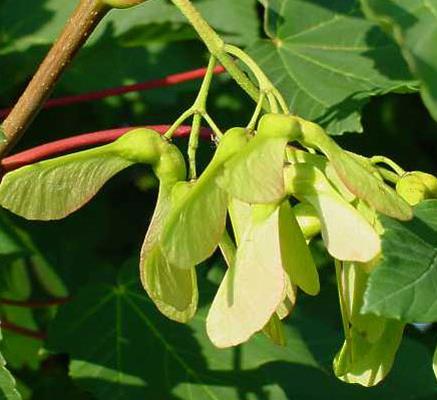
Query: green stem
[
  {"x": 187, "y": 114},
  {"x": 252, "y": 123},
  {"x": 264, "y": 82},
  {"x": 199, "y": 108},
  {"x": 215, "y": 46},
  {"x": 343, "y": 307},
  {"x": 212, "y": 125},
  {"x": 388, "y": 175},
  {"x": 387, "y": 161},
  {"x": 193, "y": 144}
]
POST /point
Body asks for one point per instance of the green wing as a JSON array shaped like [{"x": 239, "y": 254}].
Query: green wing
[
  {"x": 255, "y": 174},
  {"x": 371, "y": 343},
  {"x": 296, "y": 256},
  {"x": 197, "y": 220},
  {"x": 252, "y": 288},
  {"x": 53, "y": 189},
  {"x": 346, "y": 233},
  {"x": 356, "y": 177},
  {"x": 172, "y": 289}
]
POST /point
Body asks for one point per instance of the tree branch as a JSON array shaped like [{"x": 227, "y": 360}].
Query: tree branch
[{"x": 83, "y": 21}]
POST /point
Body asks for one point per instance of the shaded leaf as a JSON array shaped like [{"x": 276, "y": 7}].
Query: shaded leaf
[
  {"x": 403, "y": 285},
  {"x": 8, "y": 390},
  {"x": 136, "y": 353},
  {"x": 415, "y": 30}
]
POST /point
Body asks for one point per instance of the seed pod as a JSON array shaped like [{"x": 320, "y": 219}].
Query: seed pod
[{"x": 417, "y": 186}]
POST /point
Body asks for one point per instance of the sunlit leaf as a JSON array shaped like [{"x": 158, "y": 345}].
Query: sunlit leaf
[
  {"x": 328, "y": 60},
  {"x": 197, "y": 219},
  {"x": 172, "y": 289},
  {"x": 355, "y": 176},
  {"x": 253, "y": 288},
  {"x": 296, "y": 256}
]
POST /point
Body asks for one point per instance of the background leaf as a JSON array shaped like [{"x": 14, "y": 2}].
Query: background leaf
[
  {"x": 327, "y": 59},
  {"x": 413, "y": 24},
  {"x": 129, "y": 351},
  {"x": 7, "y": 383},
  {"x": 403, "y": 285}
]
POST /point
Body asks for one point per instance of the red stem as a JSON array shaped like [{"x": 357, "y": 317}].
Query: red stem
[
  {"x": 35, "y": 303},
  {"x": 62, "y": 146},
  {"x": 10, "y": 326},
  {"x": 170, "y": 80}
]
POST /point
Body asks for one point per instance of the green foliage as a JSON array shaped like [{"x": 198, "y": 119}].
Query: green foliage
[
  {"x": 403, "y": 284},
  {"x": 327, "y": 59},
  {"x": 8, "y": 390},
  {"x": 414, "y": 29}
]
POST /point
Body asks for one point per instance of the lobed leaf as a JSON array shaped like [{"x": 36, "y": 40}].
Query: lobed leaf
[
  {"x": 328, "y": 60},
  {"x": 414, "y": 28}
]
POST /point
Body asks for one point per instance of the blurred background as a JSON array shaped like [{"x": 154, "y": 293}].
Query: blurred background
[{"x": 101, "y": 347}]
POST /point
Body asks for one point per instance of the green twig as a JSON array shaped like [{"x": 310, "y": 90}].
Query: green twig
[
  {"x": 388, "y": 175},
  {"x": 193, "y": 144},
  {"x": 215, "y": 46},
  {"x": 265, "y": 85},
  {"x": 252, "y": 123},
  {"x": 387, "y": 161}
]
